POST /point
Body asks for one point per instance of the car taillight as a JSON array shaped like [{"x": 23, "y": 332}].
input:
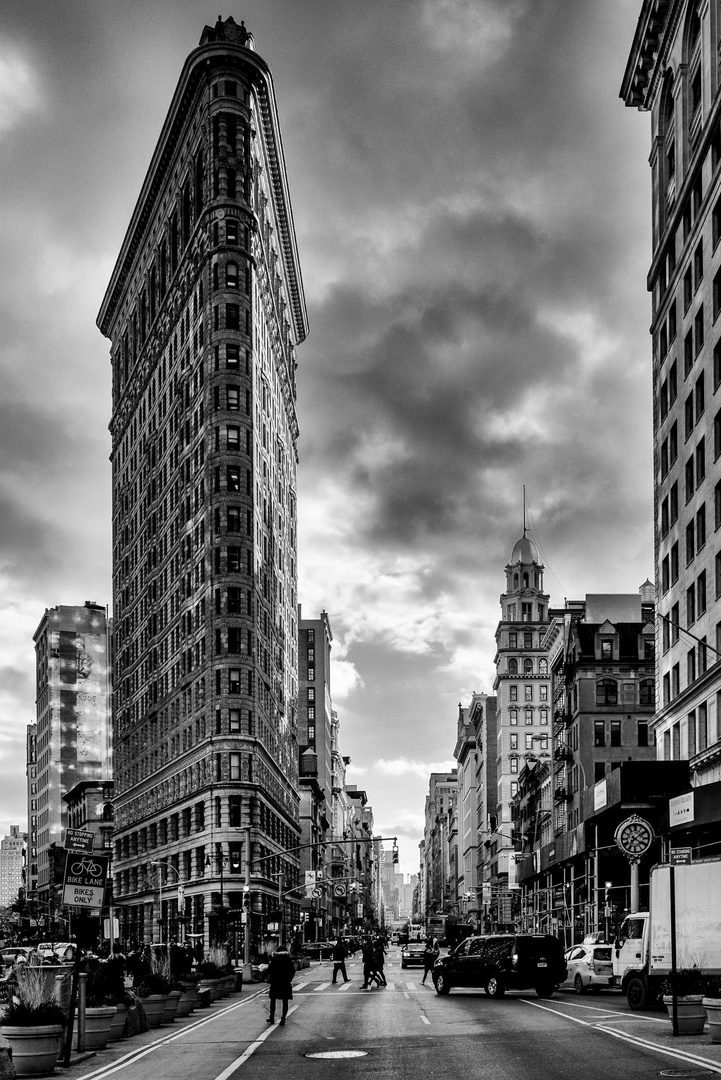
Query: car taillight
[{"x": 514, "y": 958}]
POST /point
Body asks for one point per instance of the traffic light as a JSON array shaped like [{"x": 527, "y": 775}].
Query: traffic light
[
  {"x": 609, "y": 886},
  {"x": 395, "y": 854}
]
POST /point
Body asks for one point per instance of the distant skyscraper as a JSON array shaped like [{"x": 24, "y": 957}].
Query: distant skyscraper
[
  {"x": 204, "y": 311},
  {"x": 11, "y": 866},
  {"x": 72, "y": 738}
]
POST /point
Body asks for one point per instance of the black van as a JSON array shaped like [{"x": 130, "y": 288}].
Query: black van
[{"x": 500, "y": 962}]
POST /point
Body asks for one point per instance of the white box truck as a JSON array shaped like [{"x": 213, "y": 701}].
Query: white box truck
[{"x": 643, "y": 950}]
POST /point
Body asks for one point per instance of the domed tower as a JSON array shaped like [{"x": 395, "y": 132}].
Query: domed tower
[
  {"x": 523, "y": 689},
  {"x": 524, "y": 599}
]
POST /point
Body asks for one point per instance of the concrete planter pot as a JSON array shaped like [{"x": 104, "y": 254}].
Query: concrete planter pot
[
  {"x": 211, "y": 985},
  {"x": 690, "y": 1011},
  {"x": 118, "y": 1023},
  {"x": 712, "y": 1006},
  {"x": 171, "y": 1006},
  {"x": 154, "y": 1006},
  {"x": 187, "y": 1002},
  {"x": 98, "y": 1022},
  {"x": 35, "y": 1049}
]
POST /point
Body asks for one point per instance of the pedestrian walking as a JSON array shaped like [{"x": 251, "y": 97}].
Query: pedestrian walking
[
  {"x": 430, "y": 955},
  {"x": 379, "y": 955},
  {"x": 281, "y": 971},
  {"x": 368, "y": 964},
  {"x": 339, "y": 954}
]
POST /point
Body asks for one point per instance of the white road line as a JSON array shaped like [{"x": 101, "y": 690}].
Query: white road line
[
  {"x": 249, "y": 1050},
  {"x": 299, "y": 986},
  {"x": 425, "y": 1019},
  {"x": 406, "y": 995},
  {"x": 345, "y": 986},
  {"x": 598, "y": 1008},
  {"x": 322, "y": 986},
  {"x": 679, "y": 1055},
  {"x": 412, "y": 986}
]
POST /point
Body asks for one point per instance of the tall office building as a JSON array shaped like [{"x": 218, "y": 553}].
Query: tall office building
[
  {"x": 522, "y": 686},
  {"x": 204, "y": 311},
  {"x": 72, "y": 739},
  {"x": 673, "y": 73},
  {"x": 12, "y": 863}
]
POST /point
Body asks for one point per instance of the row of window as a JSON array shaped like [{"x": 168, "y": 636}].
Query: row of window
[
  {"x": 528, "y": 669},
  {"x": 695, "y": 728}
]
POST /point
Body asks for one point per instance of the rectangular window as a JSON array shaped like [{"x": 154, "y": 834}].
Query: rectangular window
[
  {"x": 529, "y": 741},
  {"x": 642, "y": 733},
  {"x": 664, "y": 517},
  {"x": 701, "y": 460},
  {"x": 544, "y": 693},
  {"x": 233, "y": 680},
  {"x": 690, "y": 666},
  {"x": 687, "y": 289},
  {"x": 701, "y": 527},
  {"x": 232, "y": 438},
  {"x": 232, "y": 317},
  {"x": 716, "y": 365},
  {"x": 688, "y": 416},
  {"x": 687, "y": 353},
  {"x": 528, "y": 692},
  {"x": 673, "y": 443},
  {"x": 513, "y": 693},
  {"x": 673, "y": 502},
  {"x": 690, "y": 542},
  {"x": 690, "y": 606},
  {"x": 675, "y": 623},
  {"x": 615, "y": 733},
  {"x": 234, "y": 720},
  {"x": 665, "y": 580},
  {"x": 672, "y": 383},
  {"x": 675, "y": 680},
  {"x": 514, "y": 740},
  {"x": 702, "y": 729},
  {"x": 674, "y": 562},
  {"x": 666, "y": 688},
  {"x": 235, "y": 766},
  {"x": 664, "y": 458},
  {"x": 700, "y": 397},
  {"x": 599, "y": 733},
  {"x": 689, "y": 473},
  {"x": 698, "y": 331},
  {"x": 232, "y": 398},
  {"x": 666, "y": 634},
  {"x": 701, "y": 593},
  {"x": 717, "y": 294}
]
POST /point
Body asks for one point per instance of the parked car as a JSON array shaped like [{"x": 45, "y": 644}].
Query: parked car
[
  {"x": 64, "y": 952},
  {"x": 412, "y": 954},
  {"x": 500, "y": 962},
  {"x": 319, "y": 950},
  {"x": 590, "y": 966}
]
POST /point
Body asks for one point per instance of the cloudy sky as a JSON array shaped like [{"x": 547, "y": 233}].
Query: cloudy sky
[{"x": 471, "y": 200}]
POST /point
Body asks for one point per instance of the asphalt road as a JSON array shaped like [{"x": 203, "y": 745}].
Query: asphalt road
[{"x": 404, "y": 1031}]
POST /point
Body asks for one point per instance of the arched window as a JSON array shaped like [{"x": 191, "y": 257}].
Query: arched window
[
  {"x": 607, "y": 692},
  {"x": 646, "y": 692},
  {"x": 528, "y": 667},
  {"x": 513, "y": 666},
  {"x": 525, "y": 580},
  {"x": 515, "y": 581},
  {"x": 231, "y": 275}
]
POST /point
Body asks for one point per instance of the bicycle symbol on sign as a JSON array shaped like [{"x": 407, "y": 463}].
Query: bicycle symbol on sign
[{"x": 87, "y": 866}]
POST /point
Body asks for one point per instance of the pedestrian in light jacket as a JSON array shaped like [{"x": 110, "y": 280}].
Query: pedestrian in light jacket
[{"x": 281, "y": 971}]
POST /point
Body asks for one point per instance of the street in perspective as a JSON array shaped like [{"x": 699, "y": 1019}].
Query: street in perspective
[{"x": 207, "y": 882}]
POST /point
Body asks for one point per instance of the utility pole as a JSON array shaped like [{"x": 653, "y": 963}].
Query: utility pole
[{"x": 281, "y": 923}]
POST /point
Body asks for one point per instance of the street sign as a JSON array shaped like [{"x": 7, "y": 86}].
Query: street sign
[
  {"x": 317, "y": 892},
  {"x": 84, "y": 880},
  {"x": 339, "y": 890},
  {"x": 78, "y": 840},
  {"x": 680, "y": 855}
]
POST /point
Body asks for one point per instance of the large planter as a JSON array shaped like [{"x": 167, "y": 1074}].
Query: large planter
[
  {"x": 154, "y": 1006},
  {"x": 98, "y": 1021},
  {"x": 213, "y": 985},
  {"x": 171, "y": 1006},
  {"x": 713, "y": 1014},
  {"x": 118, "y": 1022},
  {"x": 690, "y": 1013},
  {"x": 35, "y": 1049},
  {"x": 187, "y": 1001}
]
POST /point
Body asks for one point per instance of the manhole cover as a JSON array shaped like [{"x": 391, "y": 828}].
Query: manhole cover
[{"x": 338, "y": 1054}]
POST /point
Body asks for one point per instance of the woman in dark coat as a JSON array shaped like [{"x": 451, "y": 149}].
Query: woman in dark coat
[{"x": 281, "y": 971}]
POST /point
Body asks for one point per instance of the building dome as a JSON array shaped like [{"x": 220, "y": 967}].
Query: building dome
[{"x": 524, "y": 551}]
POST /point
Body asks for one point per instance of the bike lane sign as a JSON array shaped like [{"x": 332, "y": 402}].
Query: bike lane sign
[{"x": 84, "y": 881}]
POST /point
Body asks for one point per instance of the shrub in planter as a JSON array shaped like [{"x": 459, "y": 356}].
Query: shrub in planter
[{"x": 33, "y": 1022}]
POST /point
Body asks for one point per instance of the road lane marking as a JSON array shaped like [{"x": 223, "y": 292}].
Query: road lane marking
[
  {"x": 345, "y": 985},
  {"x": 322, "y": 986},
  {"x": 425, "y": 1019},
  {"x": 624, "y": 1036},
  {"x": 412, "y": 985},
  {"x": 250, "y": 1049}
]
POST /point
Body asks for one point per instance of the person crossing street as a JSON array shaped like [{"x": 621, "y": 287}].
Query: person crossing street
[{"x": 339, "y": 954}]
